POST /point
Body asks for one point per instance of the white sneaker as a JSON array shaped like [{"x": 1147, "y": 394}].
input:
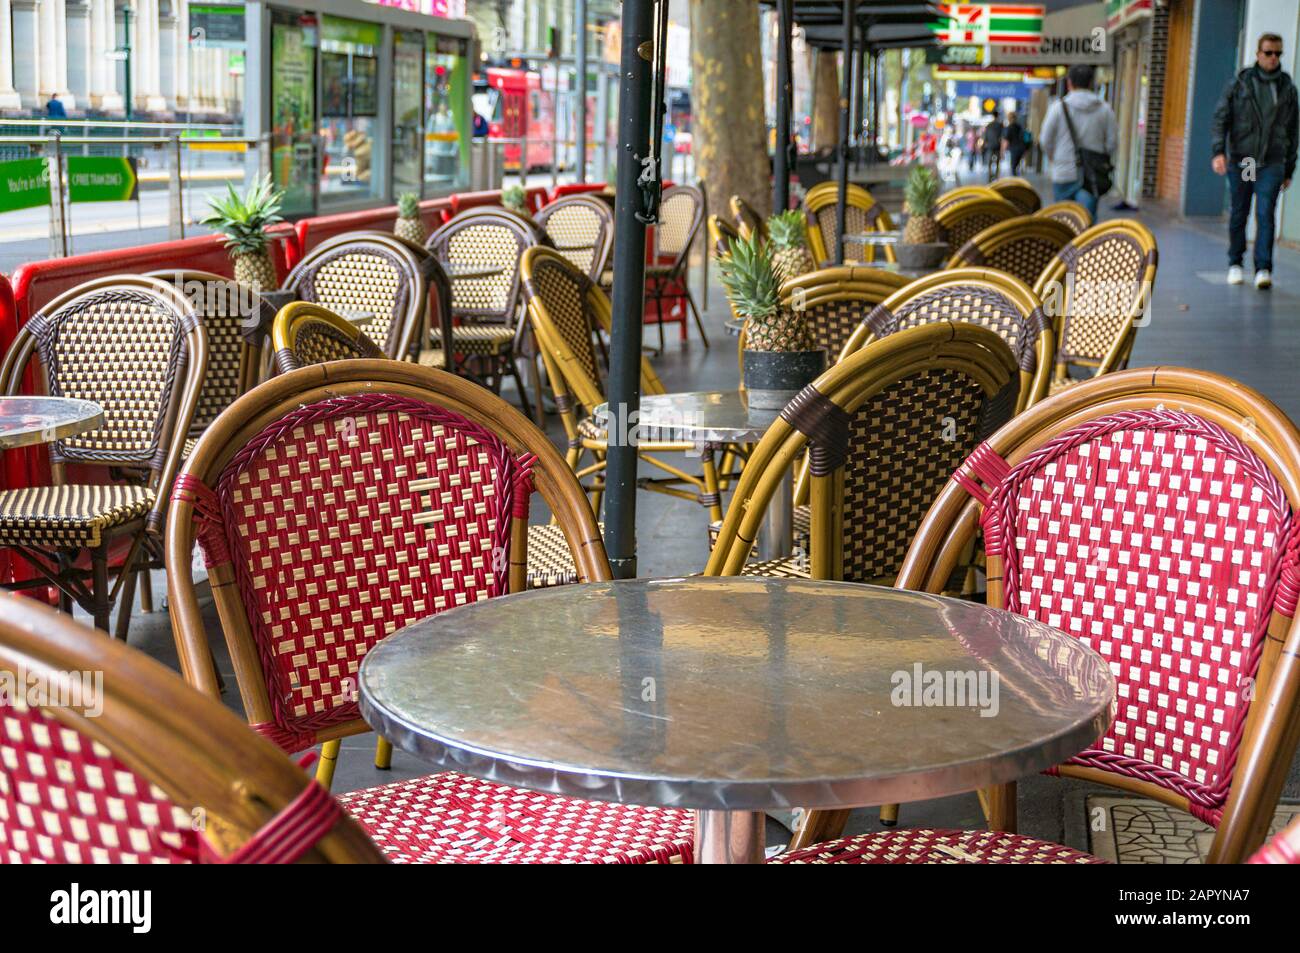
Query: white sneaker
[
  {"x": 1235, "y": 275},
  {"x": 1264, "y": 279}
]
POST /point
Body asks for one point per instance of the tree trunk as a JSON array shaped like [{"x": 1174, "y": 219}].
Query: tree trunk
[
  {"x": 826, "y": 101},
  {"x": 730, "y": 134}
]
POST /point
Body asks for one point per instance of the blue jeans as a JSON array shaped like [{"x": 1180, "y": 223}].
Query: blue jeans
[
  {"x": 1265, "y": 188},
  {"x": 1074, "y": 192}
]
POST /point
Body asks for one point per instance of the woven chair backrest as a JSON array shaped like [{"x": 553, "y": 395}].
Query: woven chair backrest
[
  {"x": 1071, "y": 214},
  {"x": 582, "y": 228},
  {"x": 835, "y": 300},
  {"x": 962, "y": 221},
  {"x": 1019, "y": 193},
  {"x": 306, "y": 334},
  {"x": 1021, "y": 246},
  {"x": 748, "y": 221},
  {"x": 379, "y": 276},
  {"x": 681, "y": 213},
  {"x": 484, "y": 236}
]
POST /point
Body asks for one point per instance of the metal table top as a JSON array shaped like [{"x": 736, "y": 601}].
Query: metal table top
[
  {"x": 712, "y": 416},
  {"x": 736, "y": 694},
  {"x": 873, "y": 238},
  {"x": 25, "y": 421}
]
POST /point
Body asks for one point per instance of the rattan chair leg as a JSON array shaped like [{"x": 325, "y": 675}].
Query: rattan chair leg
[
  {"x": 65, "y": 597},
  {"x": 383, "y": 753},
  {"x": 712, "y": 495},
  {"x": 329, "y": 758},
  {"x": 100, "y": 606},
  {"x": 126, "y": 601},
  {"x": 146, "y": 592},
  {"x": 1000, "y": 807},
  {"x": 819, "y": 826},
  {"x": 690, "y": 300},
  {"x": 888, "y": 815},
  {"x": 524, "y": 403}
]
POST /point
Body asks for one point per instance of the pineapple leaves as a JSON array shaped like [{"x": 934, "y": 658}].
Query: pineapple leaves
[{"x": 243, "y": 219}]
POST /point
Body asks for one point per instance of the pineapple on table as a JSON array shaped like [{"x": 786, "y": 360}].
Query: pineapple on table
[
  {"x": 243, "y": 222},
  {"x": 516, "y": 200},
  {"x": 789, "y": 238},
  {"x": 749, "y": 278},
  {"x": 408, "y": 225},
  {"x": 920, "y": 193}
]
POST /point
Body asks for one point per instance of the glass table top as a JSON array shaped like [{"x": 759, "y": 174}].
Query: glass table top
[{"x": 715, "y": 416}]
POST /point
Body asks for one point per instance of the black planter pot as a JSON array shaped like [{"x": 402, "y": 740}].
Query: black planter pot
[
  {"x": 772, "y": 378},
  {"x": 929, "y": 255}
]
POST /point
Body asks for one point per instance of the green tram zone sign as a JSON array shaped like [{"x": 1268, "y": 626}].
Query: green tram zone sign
[
  {"x": 25, "y": 183},
  {"x": 101, "y": 179}
]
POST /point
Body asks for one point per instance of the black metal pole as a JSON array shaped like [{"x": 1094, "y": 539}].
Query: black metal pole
[
  {"x": 580, "y": 55},
  {"x": 784, "y": 104},
  {"x": 624, "y": 390},
  {"x": 847, "y": 86},
  {"x": 859, "y": 100}
]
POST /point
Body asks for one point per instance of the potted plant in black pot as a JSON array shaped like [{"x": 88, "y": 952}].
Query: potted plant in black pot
[
  {"x": 923, "y": 244},
  {"x": 780, "y": 359}
]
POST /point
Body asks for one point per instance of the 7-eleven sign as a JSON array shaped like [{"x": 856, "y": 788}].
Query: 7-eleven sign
[{"x": 984, "y": 23}]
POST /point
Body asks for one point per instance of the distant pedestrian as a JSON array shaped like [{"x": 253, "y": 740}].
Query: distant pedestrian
[
  {"x": 54, "y": 109},
  {"x": 1255, "y": 130},
  {"x": 1014, "y": 137},
  {"x": 1079, "y": 136},
  {"x": 993, "y": 146}
]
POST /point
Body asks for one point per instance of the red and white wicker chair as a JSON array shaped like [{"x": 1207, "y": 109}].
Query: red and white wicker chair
[
  {"x": 339, "y": 502},
  {"x": 134, "y": 767},
  {"x": 1150, "y": 513},
  {"x": 1282, "y": 849}
]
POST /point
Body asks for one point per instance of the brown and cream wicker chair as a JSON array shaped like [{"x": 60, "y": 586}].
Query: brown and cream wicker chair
[
  {"x": 681, "y": 213},
  {"x": 1203, "y": 645},
  {"x": 991, "y": 299},
  {"x": 134, "y": 346},
  {"x": 336, "y": 504},
  {"x": 1021, "y": 246},
  {"x": 567, "y": 312},
  {"x": 871, "y": 428},
  {"x": 238, "y": 323},
  {"x": 486, "y": 309},
  {"x": 370, "y": 273},
  {"x": 862, "y": 213},
  {"x": 1019, "y": 193},
  {"x": 964, "y": 193},
  {"x": 1071, "y": 214},
  {"x": 962, "y": 221},
  {"x": 748, "y": 221},
  {"x": 125, "y": 773},
  {"x": 834, "y": 301},
  {"x": 581, "y": 228},
  {"x": 304, "y": 334},
  {"x": 1098, "y": 291}
]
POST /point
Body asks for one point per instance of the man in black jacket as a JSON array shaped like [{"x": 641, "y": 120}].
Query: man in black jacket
[{"x": 1255, "y": 132}]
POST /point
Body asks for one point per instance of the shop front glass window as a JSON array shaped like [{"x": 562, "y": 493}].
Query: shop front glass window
[
  {"x": 349, "y": 70},
  {"x": 408, "y": 100},
  {"x": 447, "y": 127},
  {"x": 293, "y": 109}
]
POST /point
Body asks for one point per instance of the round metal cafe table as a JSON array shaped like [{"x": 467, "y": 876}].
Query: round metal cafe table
[
  {"x": 26, "y": 421},
  {"x": 718, "y": 417},
  {"x": 733, "y": 696}
]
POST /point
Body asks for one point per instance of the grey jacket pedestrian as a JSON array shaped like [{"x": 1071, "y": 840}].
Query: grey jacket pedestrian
[{"x": 1095, "y": 123}]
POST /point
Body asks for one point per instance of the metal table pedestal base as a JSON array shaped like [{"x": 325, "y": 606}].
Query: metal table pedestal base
[{"x": 729, "y": 837}]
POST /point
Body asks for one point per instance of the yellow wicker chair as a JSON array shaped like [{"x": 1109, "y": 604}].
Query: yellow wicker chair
[
  {"x": 964, "y": 193},
  {"x": 962, "y": 221},
  {"x": 1097, "y": 291},
  {"x": 835, "y": 300},
  {"x": 134, "y": 346},
  {"x": 862, "y": 213},
  {"x": 568, "y": 312},
  {"x": 1019, "y": 193},
  {"x": 1077, "y": 218},
  {"x": 304, "y": 334},
  {"x": 748, "y": 221},
  {"x": 871, "y": 428},
  {"x": 1021, "y": 246}
]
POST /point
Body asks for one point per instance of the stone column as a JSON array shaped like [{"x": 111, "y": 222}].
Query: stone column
[
  {"x": 184, "y": 53},
  {"x": 61, "y": 54},
  {"x": 148, "y": 86},
  {"x": 48, "y": 59},
  {"x": 103, "y": 70},
  {"x": 9, "y": 98},
  {"x": 79, "y": 50},
  {"x": 168, "y": 59},
  {"x": 26, "y": 47}
]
